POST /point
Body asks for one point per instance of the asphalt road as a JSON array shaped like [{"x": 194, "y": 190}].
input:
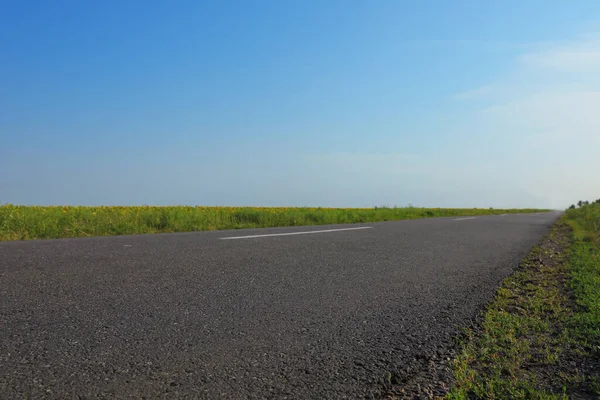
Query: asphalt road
[{"x": 326, "y": 315}]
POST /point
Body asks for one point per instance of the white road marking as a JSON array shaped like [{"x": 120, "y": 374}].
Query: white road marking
[
  {"x": 295, "y": 233},
  {"x": 462, "y": 219}
]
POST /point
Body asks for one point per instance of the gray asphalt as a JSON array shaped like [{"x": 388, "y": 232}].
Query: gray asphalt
[{"x": 188, "y": 315}]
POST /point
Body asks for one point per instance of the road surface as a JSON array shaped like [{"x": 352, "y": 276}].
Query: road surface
[{"x": 220, "y": 314}]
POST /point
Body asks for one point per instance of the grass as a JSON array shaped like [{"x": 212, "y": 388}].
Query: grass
[
  {"x": 585, "y": 276},
  {"x": 32, "y": 222},
  {"x": 540, "y": 337}
]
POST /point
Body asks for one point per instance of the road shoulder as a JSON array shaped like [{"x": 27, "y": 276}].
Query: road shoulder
[{"x": 538, "y": 337}]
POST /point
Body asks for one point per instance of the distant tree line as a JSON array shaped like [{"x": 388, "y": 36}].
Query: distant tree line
[{"x": 582, "y": 203}]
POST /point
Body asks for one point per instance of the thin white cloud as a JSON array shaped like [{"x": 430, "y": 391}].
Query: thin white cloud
[
  {"x": 581, "y": 55},
  {"x": 546, "y": 108},
  {"x": 527, "y": 139}
]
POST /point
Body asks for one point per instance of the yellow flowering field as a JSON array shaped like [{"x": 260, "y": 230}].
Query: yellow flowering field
[{"x": 49, "y": 222}]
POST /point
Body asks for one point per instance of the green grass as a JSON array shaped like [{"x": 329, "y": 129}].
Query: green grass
[
  {"x": 32, "y": 222},
  {"x": 585, "y": 276},
  {"x": 540, "y": 337}
]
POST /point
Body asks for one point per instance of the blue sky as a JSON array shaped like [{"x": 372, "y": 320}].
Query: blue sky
[{"x": 321, "y": 103}]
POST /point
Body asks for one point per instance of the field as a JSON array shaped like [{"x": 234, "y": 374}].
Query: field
[
  {"x": 539, "y": 337},
  {"x": 33, "y": 222}
]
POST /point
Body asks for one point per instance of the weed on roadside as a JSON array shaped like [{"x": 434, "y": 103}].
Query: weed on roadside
[
  {"x": 33, "y": 222},
  {"x": 540, "y": 337}
]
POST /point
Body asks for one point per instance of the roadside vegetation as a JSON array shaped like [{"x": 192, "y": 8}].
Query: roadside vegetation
[
  {"x": 32, "y": 222},
  {"x": 540, "y": 337}
]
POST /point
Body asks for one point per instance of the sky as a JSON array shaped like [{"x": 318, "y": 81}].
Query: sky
[{"x": 337, "y": 103}]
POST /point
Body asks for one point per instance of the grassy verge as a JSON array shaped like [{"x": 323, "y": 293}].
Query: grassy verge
[
  {"x": 540, "y": 337},
  {"x": 29, "y": 222}
]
